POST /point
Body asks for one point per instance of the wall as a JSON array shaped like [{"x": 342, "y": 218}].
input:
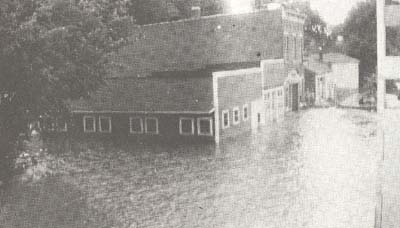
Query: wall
[
  {"x": 273, "y": 72},
  {"x": 309, "y": 81},
  {"x": 293, "y": 40},
  {"x": 274, "y": 101},
  {"x": 168, "y": 128},
  {"x": 195, "y": 43},
  {"x": 236, "y": 89},
  {"x": 346, "y": 75}
]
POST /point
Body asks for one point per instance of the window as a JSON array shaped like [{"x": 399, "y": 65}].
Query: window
[
  {"x": 287, "y": 44},
  {"x": 301, "y": 48},
  {"x": 136, "y": 125},
  {"x": 236, "y": 115},
  {"x": 225, "y": 119},
  {"x": 186, "y": 126},
  {"x": 295, "y": 48},
  {"x": 204, "y": 126},
  {"x": 89, "y": 124},
  {"x": 245, "y": 112},
  {"x": 151, "y": 125},
  {"x": 392, "y": 44},
  {"x": 287, "y": 97},
  {"x": 105, "y": 124},
  {"x": 286, "y": 49}
]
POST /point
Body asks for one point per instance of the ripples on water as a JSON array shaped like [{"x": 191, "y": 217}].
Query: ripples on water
[{"x": 315, "y": 169}]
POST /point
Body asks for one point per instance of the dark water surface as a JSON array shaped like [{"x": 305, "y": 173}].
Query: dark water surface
[{"x": 317, "y": 168}]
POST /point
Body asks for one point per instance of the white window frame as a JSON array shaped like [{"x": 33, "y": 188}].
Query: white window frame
[
  {"x": 226, "y": 111},
  {"x": 145, "y": 125},
  {"x": 141, "y": 125},
  {"x": 245, "y": 106},
  {"x": 109, "y": 122},
  {"x": 209, "y": 119},
  {"x": 180, "y": 125},
  {"x": 84, "y": 124},
  {"x": 236, "y": 109}
]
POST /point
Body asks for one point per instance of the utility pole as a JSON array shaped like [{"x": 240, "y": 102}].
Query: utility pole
[{"x": 381, "y": 55}]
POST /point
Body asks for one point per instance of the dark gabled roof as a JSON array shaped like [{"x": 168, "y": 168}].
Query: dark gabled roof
[
  {"x": 152, "y": 95},
  {"x": 335, "y": 58}
]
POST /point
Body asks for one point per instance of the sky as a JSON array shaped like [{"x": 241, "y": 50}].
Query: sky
[{"x": 333, "y": 11}]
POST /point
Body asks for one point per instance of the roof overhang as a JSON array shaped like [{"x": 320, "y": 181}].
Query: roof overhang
[{"x": 143, "y": 112}]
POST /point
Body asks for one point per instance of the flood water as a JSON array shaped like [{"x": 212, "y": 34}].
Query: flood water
[{"x": 317, "y": 168}]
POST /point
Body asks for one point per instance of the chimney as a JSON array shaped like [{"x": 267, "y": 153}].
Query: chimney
[{"x": 195, "y": 12}]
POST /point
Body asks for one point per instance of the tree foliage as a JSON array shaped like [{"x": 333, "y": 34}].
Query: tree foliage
[
  {"x": 154, "y": 11},
  {"x": 50, "y": 51},
  {"x": 315, "y": 28},
  {"x": 359, "y": 33}
]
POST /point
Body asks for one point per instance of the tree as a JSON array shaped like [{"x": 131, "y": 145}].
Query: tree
[
  {"x": 154, "y": 11},
  {"x": 50, "y": 51},
  {"x": 359, "y": 32}
]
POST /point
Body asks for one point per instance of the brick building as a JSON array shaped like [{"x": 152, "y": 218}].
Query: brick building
[{"x": 203, "y": 77}]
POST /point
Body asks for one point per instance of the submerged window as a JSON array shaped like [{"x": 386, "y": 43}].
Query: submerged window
[
  {"x": 236, "y": 115},
  {"x": 186, "y": 126},
  {"x": 89, "y": 124},
  {"x": 204, "y": 126},
  {"x": 105, "y": 124},
  {"x": 136, "y": 125},
  {"x": 225, "y": 118},
  {"x": 245, "y": 112},
  {"x": 151, "y": 125}
]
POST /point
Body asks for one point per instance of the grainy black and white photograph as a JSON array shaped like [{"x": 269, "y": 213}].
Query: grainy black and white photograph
[{"x": 199, "y": 113}]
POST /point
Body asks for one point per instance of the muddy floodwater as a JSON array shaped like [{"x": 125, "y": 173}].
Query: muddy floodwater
[{"x": 317, "y": 168}]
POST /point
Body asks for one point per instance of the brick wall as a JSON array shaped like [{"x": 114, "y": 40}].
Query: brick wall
[
  {"x": 274, "y": 73},
  {"x": 194, "y": 43}
]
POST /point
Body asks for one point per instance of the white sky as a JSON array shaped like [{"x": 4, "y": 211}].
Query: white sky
[{"x": 333, "y": 11}]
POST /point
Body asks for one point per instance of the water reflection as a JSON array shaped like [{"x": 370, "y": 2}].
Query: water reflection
[{"x": 315, "y": 169}]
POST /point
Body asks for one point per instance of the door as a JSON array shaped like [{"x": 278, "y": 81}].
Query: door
[
  {"x": 295, "y": 97},
  {"x": 257, "y": 114}
]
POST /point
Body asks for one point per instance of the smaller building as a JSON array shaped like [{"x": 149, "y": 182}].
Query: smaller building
[
  {"x": 319, "y": 85},
  {"x": 282, "y": 88},
  {"x": 344, "y": 73}
]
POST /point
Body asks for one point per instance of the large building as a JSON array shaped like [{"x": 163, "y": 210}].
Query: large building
[{"x": 199, "y": 78}]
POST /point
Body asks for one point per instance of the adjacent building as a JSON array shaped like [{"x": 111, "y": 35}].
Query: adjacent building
[
  {"x": 203, "y": 78},
  {"x": 319, "y": 83},
  {"x": 344, "y": 75}
]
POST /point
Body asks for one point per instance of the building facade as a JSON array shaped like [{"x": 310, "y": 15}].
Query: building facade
[
  {"x": 203, "y": 78},
  {"x": 343, "y": 79},
  {"x": 319, "y": 83}
]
